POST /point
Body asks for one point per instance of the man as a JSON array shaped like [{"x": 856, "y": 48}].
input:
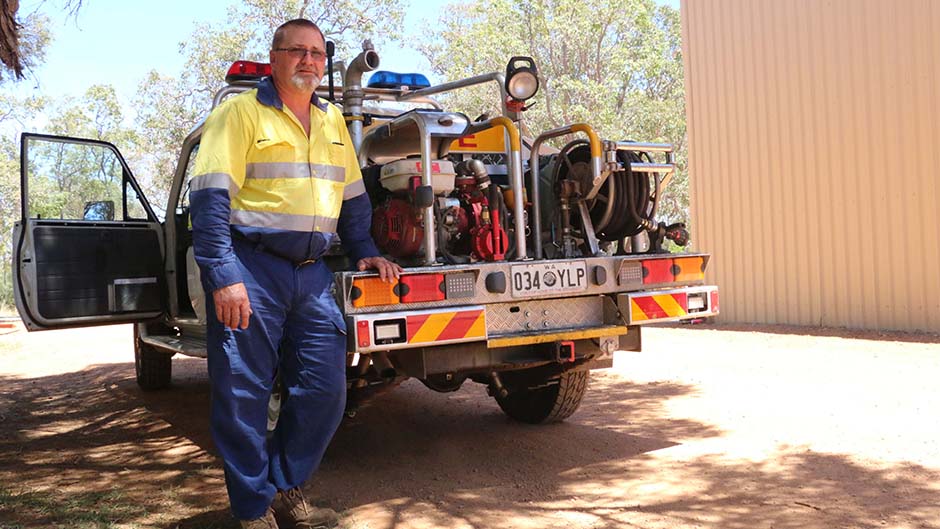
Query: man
[{"x": 277, "y": 178}]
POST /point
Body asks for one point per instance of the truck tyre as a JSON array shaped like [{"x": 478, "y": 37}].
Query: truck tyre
[
  {"x": 552, "y": 403},
  {"x": 152, "y": 366}
]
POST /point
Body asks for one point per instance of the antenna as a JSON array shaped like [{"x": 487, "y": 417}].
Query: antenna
[{"x": 330, "y": 49}]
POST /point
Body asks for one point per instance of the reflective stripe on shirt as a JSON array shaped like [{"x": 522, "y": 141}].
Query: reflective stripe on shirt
[
  {"x": 295, "y": 170},
  {"x": 283, "y": 221}
]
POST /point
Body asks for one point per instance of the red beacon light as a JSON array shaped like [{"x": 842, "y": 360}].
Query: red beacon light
[{"x": 247, "y": 71}]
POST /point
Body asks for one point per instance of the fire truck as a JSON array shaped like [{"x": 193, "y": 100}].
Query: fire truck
[{"x": 526, "y": 266}]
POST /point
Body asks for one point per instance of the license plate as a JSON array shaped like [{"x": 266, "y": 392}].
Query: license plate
[{"x": 545, "y": 278}]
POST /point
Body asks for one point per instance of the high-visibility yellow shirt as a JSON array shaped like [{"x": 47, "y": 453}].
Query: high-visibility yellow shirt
[{"x": 282, "y": 189}]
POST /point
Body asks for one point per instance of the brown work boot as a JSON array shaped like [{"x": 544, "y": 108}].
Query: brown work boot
[
  {"x": 265, "y": 522},
  {"x": 293, "y": 512}
]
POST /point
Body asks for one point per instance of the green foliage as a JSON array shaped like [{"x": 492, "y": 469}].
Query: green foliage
[
  {"x": 63, "y": 177},
  {"x": 616, "y": 65},
  {"x": 34, "y": 37},
  {"x": 169, "y": 107},
  {"x": 12, "y": 110}
]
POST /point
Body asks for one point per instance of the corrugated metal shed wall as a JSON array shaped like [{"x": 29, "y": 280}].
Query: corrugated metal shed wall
[{"x": 814, "y": 158}]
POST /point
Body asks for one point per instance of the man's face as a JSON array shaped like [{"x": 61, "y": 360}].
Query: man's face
[{"x": 303, "y": 72}]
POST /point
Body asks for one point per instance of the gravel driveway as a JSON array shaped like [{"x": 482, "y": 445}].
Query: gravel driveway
[{"x": 710, "y": 426}]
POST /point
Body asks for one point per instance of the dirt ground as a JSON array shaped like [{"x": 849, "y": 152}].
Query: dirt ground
[{"x": 710, "y": 426}]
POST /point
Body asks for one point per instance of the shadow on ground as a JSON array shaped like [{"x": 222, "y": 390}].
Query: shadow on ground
[{"x": 91, "y": 448}]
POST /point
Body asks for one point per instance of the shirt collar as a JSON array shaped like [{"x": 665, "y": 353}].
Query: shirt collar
[{"x": 267, "y": 95}]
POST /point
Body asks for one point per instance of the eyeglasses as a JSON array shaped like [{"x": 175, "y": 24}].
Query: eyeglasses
[{"x": 301, "y": 53}]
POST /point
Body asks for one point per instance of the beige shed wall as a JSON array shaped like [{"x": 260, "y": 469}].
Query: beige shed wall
[{"x": 814, "y": 158}]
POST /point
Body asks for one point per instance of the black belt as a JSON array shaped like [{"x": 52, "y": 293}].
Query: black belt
[{"x": 262, "y": 248}]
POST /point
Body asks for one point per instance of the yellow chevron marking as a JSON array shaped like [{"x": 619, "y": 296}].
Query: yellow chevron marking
[
  {"x": 432, "y": 327},
  {"x": 479, "y": 326},
  {"x": 670, "y": 305},
  {"x": 637, "y": 313}
]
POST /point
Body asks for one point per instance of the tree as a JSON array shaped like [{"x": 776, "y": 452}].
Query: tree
[
  {"x": 11, "y": 110},
  {"x": 616, "y": 65},
  {"x": 23, "y": 41},
  {"x": 170, "y": 106}
]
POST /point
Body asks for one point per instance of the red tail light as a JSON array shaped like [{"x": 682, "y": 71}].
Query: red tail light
[
  {"x": 421, "y": 287},
  {"x": 658, "y": 271}
]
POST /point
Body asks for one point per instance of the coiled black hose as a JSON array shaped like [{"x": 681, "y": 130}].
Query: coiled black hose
[{"x": 625, "y": 205}]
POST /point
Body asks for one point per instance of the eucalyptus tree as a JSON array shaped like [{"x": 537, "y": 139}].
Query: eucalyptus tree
[
  {"x": 616, "y": 64},
  {"x": 170, "y": 105}
]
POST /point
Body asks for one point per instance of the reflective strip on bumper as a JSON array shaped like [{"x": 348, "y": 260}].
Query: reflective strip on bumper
[
  {"x": 377, "y": 332},
  {"x": 671, "y": 305}
]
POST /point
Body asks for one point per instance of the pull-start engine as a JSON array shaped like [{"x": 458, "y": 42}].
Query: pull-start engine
[{"x": 470, "y": 211}]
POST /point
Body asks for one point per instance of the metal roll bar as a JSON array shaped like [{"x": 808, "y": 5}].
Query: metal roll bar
[
  {"x": 669, "y": 168},
  {"x": 515, "y": 172},
  {"x": 499, "y": 78},
  {"x": 598, "y": 173}
]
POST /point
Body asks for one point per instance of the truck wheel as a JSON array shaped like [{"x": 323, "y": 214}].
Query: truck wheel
[
  {"x": 153, "y": 366},
  {"x": 552, "y": 403}
]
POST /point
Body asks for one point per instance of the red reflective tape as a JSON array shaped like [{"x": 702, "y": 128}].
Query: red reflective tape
[
  {"x": 414, "y": 323},
  {"x": 682, "y": 298},
  {"x": 649, "y": 307},
  {"x": 459, "y": 325}
]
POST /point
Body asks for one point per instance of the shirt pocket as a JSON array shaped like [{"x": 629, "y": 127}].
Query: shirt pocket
[
  {"x": 337, "y": 154},
  {"x": 272, "y": 145}
]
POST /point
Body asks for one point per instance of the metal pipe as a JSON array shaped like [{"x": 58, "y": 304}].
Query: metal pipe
[
  {"x": 430, "y": 239},
  {"x": 518, "y": 204},
  {"x": 516, "y": 179},
  {"x": 639, "y": 167},
  {"x": 499, "y": 78},
  {"x": 647, "y": 147},
  {"x": 430, "y": 233},
  {"x": 478, "y": 169},
  {"x": 670, "y": 161},
  {"x": 669, "y": 167},
  {"x": 597, "y": 163},
  {"x": 597, "y": 173},
  {"x": 497, "y": 388},
  {"x": 363, "y": 150},
  {"x": 657, "y": 182},
  {"x": 384, "y": 94},
  {"x": 235, "y": 87},
  {"x": 353, "y": 94}
]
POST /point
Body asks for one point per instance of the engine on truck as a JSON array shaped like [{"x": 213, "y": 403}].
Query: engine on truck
[
  {"x": 470, "y": 211},
  {"x": 473, "y": 214}
]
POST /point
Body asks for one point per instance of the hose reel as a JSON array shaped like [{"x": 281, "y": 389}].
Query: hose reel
[{"x": 624, "y": 206}]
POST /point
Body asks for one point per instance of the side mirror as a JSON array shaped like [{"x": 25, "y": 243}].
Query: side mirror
[{"x": 99, "y": 210}]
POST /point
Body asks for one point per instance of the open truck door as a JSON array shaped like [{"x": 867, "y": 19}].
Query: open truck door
[{"x": 88, "y": 249}]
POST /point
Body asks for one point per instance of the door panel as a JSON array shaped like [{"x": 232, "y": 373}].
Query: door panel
[{"x": 89, "y": 249}]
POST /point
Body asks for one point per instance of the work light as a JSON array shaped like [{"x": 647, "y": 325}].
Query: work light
[{"x": 522, "y": 78}]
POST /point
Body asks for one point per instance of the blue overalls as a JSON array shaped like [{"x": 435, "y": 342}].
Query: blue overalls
[{"x": 266, "y": 203}]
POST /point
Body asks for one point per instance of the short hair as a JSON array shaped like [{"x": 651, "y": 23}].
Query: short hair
[{"x": 295, "y": 23}]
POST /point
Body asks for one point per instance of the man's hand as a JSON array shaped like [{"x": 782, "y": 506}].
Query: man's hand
[
  {"x": 387, "y": 269},
  {"x": 231, "y": 306}
]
